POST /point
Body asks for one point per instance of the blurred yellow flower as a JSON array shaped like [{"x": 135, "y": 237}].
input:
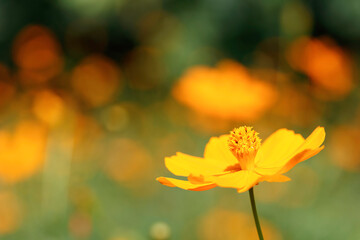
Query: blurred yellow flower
[
  {"x": 22, "y": 152},
  {"x": 239, "y": 160},
  {"x": 227, "y": 92},
  {"x": 48, "y": 107}
]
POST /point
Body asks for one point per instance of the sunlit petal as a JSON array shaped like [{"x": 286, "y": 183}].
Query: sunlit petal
[
  {"x": 304, "y": 155},
  {"x": 315, "y": 139},
  {"x": 171, "y": 182},
  {"x": 183, "y": 165},
  {"x": 196, "y": 179},
  {"x": 242, "y": 180},
  {"x": 277, "y": 147},
  {"x": 218, "y": 148},
  {"x": 284, "y": 145}
]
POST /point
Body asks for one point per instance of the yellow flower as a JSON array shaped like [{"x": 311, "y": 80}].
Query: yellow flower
[
  {"x": 22, "y": 151},
  {"x": 227, "y": 92},
  {"x": 239, "y": 160}
]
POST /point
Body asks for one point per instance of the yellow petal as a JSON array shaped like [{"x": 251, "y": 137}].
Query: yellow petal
[
  {"x": 304, "y": 155},
  {"x": 282, "y": 146},
  {"x": 183, "y": 165},
  {"x": 275, "y": 178},
  {"x": 218, "y": 148},
  {"x": 196, "y": 179},
  {"x": 241, "y": 180},
  {"x": 171, "y": 182},
  {"x": 277, "y": 147},
  {"x": 314, "y": 141}
]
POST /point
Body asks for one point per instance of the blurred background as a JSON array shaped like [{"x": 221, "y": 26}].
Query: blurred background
[{"x": 94, "y": 94}]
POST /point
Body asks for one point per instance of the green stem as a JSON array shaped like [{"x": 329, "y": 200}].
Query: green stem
[{"x": 256, "y": 218}]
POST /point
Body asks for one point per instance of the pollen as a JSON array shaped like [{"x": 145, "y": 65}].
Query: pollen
[{"x": 244, "y": 143}]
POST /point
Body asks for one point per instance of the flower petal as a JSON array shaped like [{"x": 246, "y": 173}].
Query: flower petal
[
  {"x": 314, "y": 141},
  {"x": 172, "y": 182},
  {"x": 304, "y": 155},
  {"x": 217, "y": 148},
  {"x": 282, "y": 146},
  {"x": 196, "y": 179},
  {"x": 183, "y": 165},
  {"x": 241, "y": 180},
  {"x": 277, "y": 147}
]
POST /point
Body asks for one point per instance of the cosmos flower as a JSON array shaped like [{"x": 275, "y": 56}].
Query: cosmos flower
[
  {"x": 239, "y": 160},
  {"x": 227, "y": 91}
]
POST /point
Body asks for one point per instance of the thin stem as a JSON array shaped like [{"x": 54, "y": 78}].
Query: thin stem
[{"x": 256, "y": 218}]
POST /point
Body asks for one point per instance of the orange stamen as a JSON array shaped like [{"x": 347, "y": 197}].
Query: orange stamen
[{"x": 244, "y": 144}]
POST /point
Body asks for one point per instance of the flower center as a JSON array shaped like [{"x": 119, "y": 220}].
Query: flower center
[{"x": 244, "y": 144}]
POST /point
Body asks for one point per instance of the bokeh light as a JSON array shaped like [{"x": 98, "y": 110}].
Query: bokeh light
[
  {"x": 327, "y": 65},
  {"x": 344, "y": 144},
  {"x": 48, "y": 107},
  {"x": 10, "y": 212},
  {"x": 22, "y": 151},
  {"x": 96, "y": 79},
  {"x": 128, "y": 162},
  {"x": 38, "y": 55}
]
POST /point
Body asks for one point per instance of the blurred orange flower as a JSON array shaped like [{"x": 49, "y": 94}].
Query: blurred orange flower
[
  {"x": 239, "y": 160},
  {"x": 327, "y": 65},
  {"x": 227, "y": 92},
  {"x": 21, "y": 153},
  {"x": 345, "y": 151},
  {"x": 38, "y": 54},
  {"x": 96, "y": 80},
  {"x": 48, "y": 107}
]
